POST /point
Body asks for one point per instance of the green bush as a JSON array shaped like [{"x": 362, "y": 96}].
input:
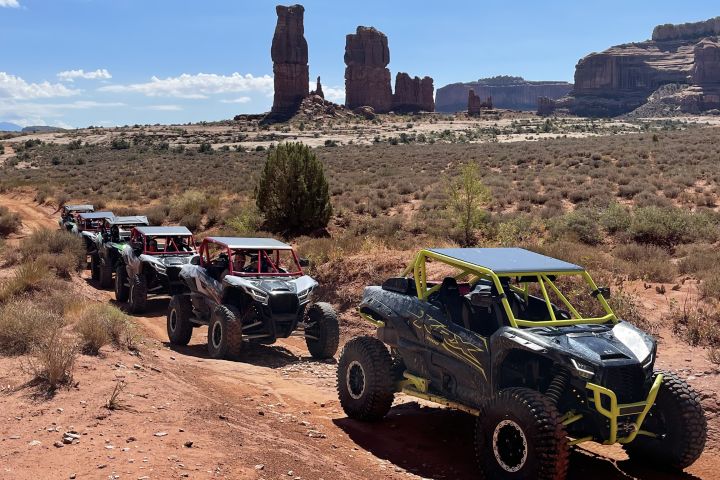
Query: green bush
[
  {"x": 292, "y": 192},
  {"x": 54, "y": 242},
  {"x": 9, "y": 222},
  {"x": 616, "y": 218},
  {"x": 579, "y": 225},
  {"x": 660, "y": 226}
]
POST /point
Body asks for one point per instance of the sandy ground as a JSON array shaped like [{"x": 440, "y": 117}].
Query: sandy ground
[{"x": 274, "y": 414}]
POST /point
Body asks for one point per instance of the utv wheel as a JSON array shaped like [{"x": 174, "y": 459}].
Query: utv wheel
[
  {"x": 325, "y": 328},
  {"x": 678, "y": 420},
  {"x": 137, "y": 298},
  {"x": 122, "y": 288},
  {"x": 225, "y": 333},
  {"x": 94, "y": 267},
  {"x": 105, "y": 273},
  {"x": 179, "y": 326},
  {"x": 364, "y": 381},
  {"x": 519, "y": 435}
]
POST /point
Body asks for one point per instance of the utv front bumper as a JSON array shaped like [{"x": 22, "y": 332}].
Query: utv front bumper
[{"x": 605, "y": 402}]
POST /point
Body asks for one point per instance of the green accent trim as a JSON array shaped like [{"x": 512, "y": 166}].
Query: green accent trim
[
  {"x": 418, "y": 383},
  {"x": 580, "y": 440},
  {"x": 571, "y": 417},
  {"x": 614, "y": 411},
  {"x": 440, "y": 400},
  {"x": 418, "y": 268},
  {"x": 367, "y": 317}
]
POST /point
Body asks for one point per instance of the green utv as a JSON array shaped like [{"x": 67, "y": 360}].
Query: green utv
[
  {"x": 114, "y": 234},
  {"x": 497, "y": 338}
]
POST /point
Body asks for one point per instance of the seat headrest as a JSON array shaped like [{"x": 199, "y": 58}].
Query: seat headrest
[{"x": 449, "y": 283}]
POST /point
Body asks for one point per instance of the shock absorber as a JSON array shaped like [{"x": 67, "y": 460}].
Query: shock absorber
[{"x": 558, "y": 384}]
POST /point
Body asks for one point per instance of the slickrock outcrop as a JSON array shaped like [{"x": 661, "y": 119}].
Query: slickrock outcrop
[
  {"x": 513, "y": 93},
  {"x": 623, "y": 78},
  {"x": 318, "y": 89},
  {"x": 413, "y": 94},
  {"x": 367, "y": 78},
  {"x": 290, "y": 62}
]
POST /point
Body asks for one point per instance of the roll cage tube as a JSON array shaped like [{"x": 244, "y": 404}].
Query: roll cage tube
[
  {"x": 138, "y": 238},
  {"x": 419, "y": 271},
  {"x": 261, "y": 253}
]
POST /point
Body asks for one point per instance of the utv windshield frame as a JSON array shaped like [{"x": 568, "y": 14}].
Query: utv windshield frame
[{"x": 543, "y": 276}]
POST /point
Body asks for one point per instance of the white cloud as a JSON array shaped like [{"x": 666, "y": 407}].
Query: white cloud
[
  {"x": 197, "y": 86},
  {"x": 236, "y": 100},
  {"x": 71, "y": 75},
  {"x": 9, "y": 3},
  {"x": 162, "y": 108},
  {"x": 18, "y": 89}
]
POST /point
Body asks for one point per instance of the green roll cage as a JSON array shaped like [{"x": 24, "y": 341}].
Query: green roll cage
[{"x": 476, "y": 272}]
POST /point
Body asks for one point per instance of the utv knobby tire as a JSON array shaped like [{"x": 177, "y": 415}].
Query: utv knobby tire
[
  {"x": 225, "y": 333},
  {"x": 179, "y": 326},
  {"x": 519, "y": 435},
  {"x": 364, "y": 379},
  {"x": 678, "y": 417},
  {"x": 122, "y": 287},
  {"x": 94, "y": 267},
  {"x": 325, "y": 328},
  {"x": 106, "y": 274},
  {"x": 137, "y": 299}
]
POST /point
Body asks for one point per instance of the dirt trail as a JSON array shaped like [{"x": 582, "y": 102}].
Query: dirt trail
[
  {"x": 274, "y": 414},
  {"x": 33, "y": 216}
]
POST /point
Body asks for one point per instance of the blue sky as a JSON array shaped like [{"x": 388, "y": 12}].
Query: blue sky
[{"x": 113, "y": 62}]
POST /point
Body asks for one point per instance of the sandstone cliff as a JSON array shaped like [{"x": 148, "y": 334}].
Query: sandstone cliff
[
  {"x": 513, "y": 93},
  {"x": 623, "y": 78},
  {"x": 413, "y": 94}
]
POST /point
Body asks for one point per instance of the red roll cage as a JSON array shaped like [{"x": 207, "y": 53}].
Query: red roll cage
[
  {"x": 262, "y": 253},
  {"x": 137, "y": 238}
]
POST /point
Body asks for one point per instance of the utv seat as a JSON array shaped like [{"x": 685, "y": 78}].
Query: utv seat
[
  {"x": 403, "y": 285},
  {"x": 451, "y": 299}
]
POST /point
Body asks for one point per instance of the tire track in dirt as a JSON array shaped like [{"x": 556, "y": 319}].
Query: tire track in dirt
[
  {"x": 33, "y": 216},
  {"x": 278, "y": 408}
]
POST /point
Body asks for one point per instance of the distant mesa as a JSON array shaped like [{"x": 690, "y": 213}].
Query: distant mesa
[
  {"x": 625, "y": 77},
  {"x": 507, "y": 92},
  {"x": 9, "y": 127}
]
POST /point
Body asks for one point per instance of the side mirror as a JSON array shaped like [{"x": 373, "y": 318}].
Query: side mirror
[
  {"x": 481, "y": 299},
  {"x": 304, "y": 262},
  {"x": 195, "y": 260}
]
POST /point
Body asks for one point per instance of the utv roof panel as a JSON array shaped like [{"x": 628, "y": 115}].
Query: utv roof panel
[
  {"x": 251, "y": 243},
  {"x": 78, "y": 208},
  {"x": 96, "y": 215},
  {"x": 508, "y": 260},
  {"x": 130, "y": 220},
  {"x": 174, "y": 230}
]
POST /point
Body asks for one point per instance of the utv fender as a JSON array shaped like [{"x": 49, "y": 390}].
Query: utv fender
[{"x": 509, "y": 347}]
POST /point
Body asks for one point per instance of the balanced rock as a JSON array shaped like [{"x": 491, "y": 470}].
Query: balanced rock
[
  {"x": 290, "y": 61},
  {"x": 413, "y": 94},
  {"x": 367, "y": 78}
]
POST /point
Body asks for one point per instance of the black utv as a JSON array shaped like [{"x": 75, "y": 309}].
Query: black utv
[
  {"x": 250, "y": 290},
  {"x": 499, "y": 338},
  {"x": 109, "y": 242}
]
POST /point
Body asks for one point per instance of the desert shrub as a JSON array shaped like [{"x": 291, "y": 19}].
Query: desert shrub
[
  {"x": 616, "y": 218},
  {"x": 647, "y": 262},
  {"x": 467, "y": 197},
  {"x": 192, "y": 221},
  {"x": 119, "y": 144},
  {"x": 292, "y": 192},
  {"x": 157, "y": 214},
  {"x": 28, "y": 277},
  {"x": 53, "y": 359},
  {"x": 692, "y": 322},
  {"x": 43, "y": 193},
  {"x": 698, "y": 259},
  {"x": 519, "y": 230},
  {"x": 23, "y": 325},
  {"x": 245, "y": 220},
  {"x": 660, "y": 226},
  {"x": 192, "y": 202},
  {"x": 100, "y": 324},
  {"x": 55, "y": 243},
  {"x": 579, "y": 225},
  {"x": 9, "y": 222}
]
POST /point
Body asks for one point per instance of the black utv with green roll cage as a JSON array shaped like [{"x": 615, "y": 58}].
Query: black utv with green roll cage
[
  {"x": 109, "y": 242},
  {"x": 497, "y": 337}
]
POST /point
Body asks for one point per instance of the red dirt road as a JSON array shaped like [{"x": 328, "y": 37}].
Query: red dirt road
[{"x": 274, "y": 414}]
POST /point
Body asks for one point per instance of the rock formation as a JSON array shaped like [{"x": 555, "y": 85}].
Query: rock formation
[
  {"x": 290, "y": 62},
  {"x": 622, "y": 78},
  {"x": 546, "y": 106},
  {"x": 513, "y": 93},
  {"x": 413, "y": 94},
  {"x": 318, "y": 89},
  {"x": 367, "y": 78},
  {"x": 475, "y": 105}
]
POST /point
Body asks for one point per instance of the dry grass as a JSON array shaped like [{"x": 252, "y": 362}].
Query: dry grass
[
  {"x": 99, "y": 324},
  {"x": 9, "y": 222},
  {"x": 53, "y": 359},
  {"x": 23, "y": 326}
]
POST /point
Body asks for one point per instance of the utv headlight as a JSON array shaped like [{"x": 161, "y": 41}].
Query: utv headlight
[
  {"x": 647, "y": 363},
  {"x": 259, "y": 295},
  {"x": 305, "y": 294},
  {"x": 583, "y": 369}
]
